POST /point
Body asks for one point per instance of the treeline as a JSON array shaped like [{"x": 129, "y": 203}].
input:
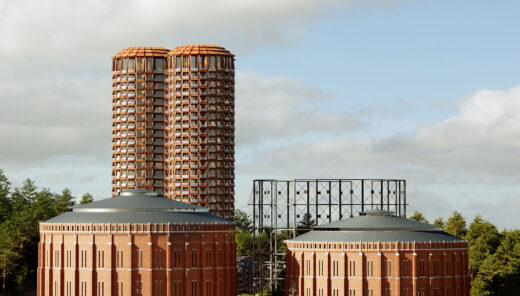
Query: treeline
[
  {"x": 21, "y": 210},
  {"x": 494, "y": 256}
]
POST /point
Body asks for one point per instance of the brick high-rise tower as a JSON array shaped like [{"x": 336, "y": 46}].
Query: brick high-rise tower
[
  {"x": 138, "y": 119},
  {"x": 200, "y": 131},
  {"x": 174, "y": 125}
]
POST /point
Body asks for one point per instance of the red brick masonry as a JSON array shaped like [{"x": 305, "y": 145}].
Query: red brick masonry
[
  {"x": 136, "y": 259},
  {"x": 377, "y": 268}
]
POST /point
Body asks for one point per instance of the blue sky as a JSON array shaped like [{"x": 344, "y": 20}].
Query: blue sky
[
  {"x": 429, "y": 53},
  {"x": 421, "y": 90}
]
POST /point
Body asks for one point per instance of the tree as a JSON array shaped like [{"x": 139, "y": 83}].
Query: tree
[
  {"x": 305, "y": 224},
  {"x": 499, "y": 273},
  {"x": 5, "y": 188},
  {"x": 439, "y": 222},
  {"x": 244, "y": 243},
  {"x": 86, "y": 198},
  {"x": 25, "y": 195},
  {"x": 43, "y": 206},
  {"x": 243, "y": 220},
  {"x": 8, "y": 256},
  {"x": 456, "y": 225},
  {"x": 483, "y": 240},
  {"x": 64, "y": 201},
  {"x": 282, "y": 237},
  {"x": 417, "y": 216}
]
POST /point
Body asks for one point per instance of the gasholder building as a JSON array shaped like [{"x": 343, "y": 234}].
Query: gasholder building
[
  {"x": 136, "y": 244},
  {"x": 377, "y": 254}
]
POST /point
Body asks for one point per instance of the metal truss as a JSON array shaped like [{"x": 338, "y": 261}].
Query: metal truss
[{"x": 280, "y": 205}]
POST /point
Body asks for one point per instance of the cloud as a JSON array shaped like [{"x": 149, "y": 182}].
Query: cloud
[
  {"x": 478, "y": 144},
  {"x": 87, "y": 28},
  {"x": 467, "y": 161},
  {"x": 480, "y": 141},
  {"x": 56, "y": 59},
  {"x": 273, "y": 108},
  {"x": 55, "y": 116}
]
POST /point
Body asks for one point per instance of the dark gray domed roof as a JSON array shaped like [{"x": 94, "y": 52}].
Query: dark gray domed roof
[
  {"x": 138, "y": 206},
  {"x": 377, "y": 226}
]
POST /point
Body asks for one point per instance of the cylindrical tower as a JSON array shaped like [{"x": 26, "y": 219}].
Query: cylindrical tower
[
  {"x": 138, "y": 119},
  {"x": 201, "y": 127}
]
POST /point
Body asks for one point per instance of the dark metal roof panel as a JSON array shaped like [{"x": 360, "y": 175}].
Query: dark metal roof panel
[
  {"x": 138, "y": 206},
  {"x": 377, "y": 223},
  {"x": 139, "y": 217},
  {"x": 376, "y": 236},
  {"x": 137, "y": 202}
]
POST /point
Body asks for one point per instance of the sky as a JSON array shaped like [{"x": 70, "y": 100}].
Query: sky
[{"x": 426, "y": 91}]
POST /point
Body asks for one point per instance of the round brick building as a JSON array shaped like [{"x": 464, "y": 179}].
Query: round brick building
[
  {"x": 377, "y": 254},
  {"x": 137, "y": 244}
]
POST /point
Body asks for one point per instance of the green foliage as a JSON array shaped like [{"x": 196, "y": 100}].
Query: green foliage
[
  {"x": 244, "y": 243},
  {"x": 305, "y": 224},
  {"x": 23, "y": 196},
  {"x": 5, "y": 188},
  {"x": 483, "y": 240},
  {"x": 243, "y": 220},
  {"x": 456, "y": 225},
  {"x": 494, "y": 257},
  {"x": 86, "y": 198},
  {"x": 499, "y": 273},
  {"x": 64, "y": 201},
  {"x": 21, "y": 211},
  {"x": 419, "y": 217},
  {"x": 439, "y": 222}
]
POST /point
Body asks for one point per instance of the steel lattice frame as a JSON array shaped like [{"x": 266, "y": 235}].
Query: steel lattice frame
[{"x": 281, "y": 204}]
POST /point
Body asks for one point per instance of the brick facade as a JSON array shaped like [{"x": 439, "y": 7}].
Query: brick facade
[
  {"x": 138, "y": 75},
  {"x": 377, "y": 268},
  {"x": 173, "y": 124},
  {"x": 136, "y": 259},
  {"x": 200, "y": 129}
]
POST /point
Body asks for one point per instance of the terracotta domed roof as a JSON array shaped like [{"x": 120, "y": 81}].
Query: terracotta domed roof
[
  {"x": 192, "y": 49},
  {"x": 142, "y": 51}
]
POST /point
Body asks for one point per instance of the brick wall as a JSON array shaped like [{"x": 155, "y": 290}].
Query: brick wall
[
  {"x": 376, "y": 268},
  {"x": 131, "y": 259}
]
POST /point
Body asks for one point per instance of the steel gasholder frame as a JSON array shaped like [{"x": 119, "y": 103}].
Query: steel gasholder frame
[{"x": 279, "y": 205}]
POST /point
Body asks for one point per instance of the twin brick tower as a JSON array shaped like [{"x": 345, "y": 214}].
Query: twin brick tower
[{"x": 173, "y": 128}]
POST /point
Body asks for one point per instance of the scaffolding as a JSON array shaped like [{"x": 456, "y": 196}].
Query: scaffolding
[{"x": 279, "y": 206}]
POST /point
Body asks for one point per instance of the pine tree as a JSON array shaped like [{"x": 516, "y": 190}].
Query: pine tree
[
  {"x": 43, "y": 206},
  {"x": 418, "y": 216},
  {"x": 305, "y": 224},
  {"x": 439, "y": 222},
  {"x": 483, "y": 240},
  {"x": 86, "y": 198},
  {"x": 242, "y": 220},
  {"x": 64, "y": 201},
  {"x": 24, "y": 196},
  {"x": 5, "y": 188},
  {"x": 9, "y": 255},
  {"x": 499, "y": 273},
  {"x": 456, "y": 225}
]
